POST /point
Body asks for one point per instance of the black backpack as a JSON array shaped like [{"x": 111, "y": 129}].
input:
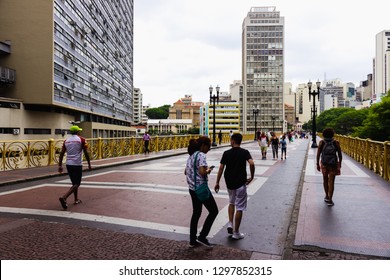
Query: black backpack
[{"x": 329, "y": 153}]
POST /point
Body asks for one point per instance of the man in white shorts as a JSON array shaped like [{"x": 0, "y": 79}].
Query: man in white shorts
[{"x": 236, "y": 181}]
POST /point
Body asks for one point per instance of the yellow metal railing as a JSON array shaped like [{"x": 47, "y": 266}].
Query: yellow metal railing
[
  {"x": 36, "y": 153},
  {"x": 27, "y": 154},
  {"x": 374, "y": 155}
]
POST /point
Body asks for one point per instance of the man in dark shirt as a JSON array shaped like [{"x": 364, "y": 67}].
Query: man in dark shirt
[{"x": 236, "y": 181}]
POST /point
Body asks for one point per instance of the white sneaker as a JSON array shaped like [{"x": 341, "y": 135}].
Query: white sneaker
[{"x": 238, "y": 235}]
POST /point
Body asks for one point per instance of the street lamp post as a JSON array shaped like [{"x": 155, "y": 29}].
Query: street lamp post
[
  {"x": 214, "y": 97},
  {"x": 314, "y": 109},
  {"x": 255, "y": 113}
]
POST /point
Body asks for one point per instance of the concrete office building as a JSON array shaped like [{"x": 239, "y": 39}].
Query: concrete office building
[
  {"x": 137, "y": 106},
  {"x": 237, "y": 94},
  {"x": 382, "y": 64},
  {"x": 227, "y": 118},
  {"x": 73, "y": 61},
  {"x": 263, "y": 69}
]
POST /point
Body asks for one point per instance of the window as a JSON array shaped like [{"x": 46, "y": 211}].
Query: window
[
  {"x": 8, "y": 130},
  {"x": 37, "y": 131}
]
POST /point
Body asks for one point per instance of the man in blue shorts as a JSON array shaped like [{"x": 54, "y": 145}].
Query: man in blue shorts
[{"x": 236, "y": 181}]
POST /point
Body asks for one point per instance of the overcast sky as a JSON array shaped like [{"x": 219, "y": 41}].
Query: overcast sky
[{"x": 184, "y": 46}]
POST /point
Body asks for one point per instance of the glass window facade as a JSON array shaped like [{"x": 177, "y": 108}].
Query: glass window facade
[
  {"x": 263, "y": 69},
  {"x": 93, "y": 57}
]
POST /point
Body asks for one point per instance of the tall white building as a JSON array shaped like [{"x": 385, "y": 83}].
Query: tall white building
[
  {"x": 263, "y": 69},
  {"x": 137, "y": 105},
  {"x": 382, "y": 64}
]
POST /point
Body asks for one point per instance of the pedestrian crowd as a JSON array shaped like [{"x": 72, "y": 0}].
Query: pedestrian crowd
[{"x": 233, "y": 167}]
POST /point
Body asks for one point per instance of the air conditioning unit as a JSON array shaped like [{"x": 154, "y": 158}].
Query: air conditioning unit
[{"x": 16, "y": 131}]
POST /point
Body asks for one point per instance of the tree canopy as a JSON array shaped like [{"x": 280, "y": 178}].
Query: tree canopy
[
  {"x": 158, "y": 113},
  {"x": 373, "y": 122}
]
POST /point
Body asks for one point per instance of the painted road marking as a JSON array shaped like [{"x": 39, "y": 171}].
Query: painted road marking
[{"x": 312, "y": 171}]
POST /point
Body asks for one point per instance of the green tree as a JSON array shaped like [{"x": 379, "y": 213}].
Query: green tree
[
  {"x": 377, "y": 124},
  {"x": 328, "y": 117},
  {"x": 161, "y": 112},
  {"x": 349, "y": 121},
  {"x": 193, "y": 130}
]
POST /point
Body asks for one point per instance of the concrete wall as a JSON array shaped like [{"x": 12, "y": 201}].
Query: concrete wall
[{"x": 28, "y": 25}]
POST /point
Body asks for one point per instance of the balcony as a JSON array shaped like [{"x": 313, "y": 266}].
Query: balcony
[{"x": 7, "y": 76}]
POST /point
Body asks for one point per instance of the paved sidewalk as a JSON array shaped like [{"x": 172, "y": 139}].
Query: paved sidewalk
[
  {"x": 30, "y": 174},
  {"x": 357, "y": 227}
]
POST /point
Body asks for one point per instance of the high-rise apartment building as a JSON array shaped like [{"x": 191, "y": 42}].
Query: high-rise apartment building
[
  {"x": 73, "y": 61},
  {"x": 137, "y": 106},
  {"x": 263, "y": 69},
  {"x": 382, "y": 64}
]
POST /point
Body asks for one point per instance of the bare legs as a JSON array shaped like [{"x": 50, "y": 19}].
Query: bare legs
[
  {"x": 237, "y": 218},
  {"x": 329, "y": 187}
]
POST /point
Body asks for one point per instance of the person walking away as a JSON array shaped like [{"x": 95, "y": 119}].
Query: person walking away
[
  {"x": 283, "y": 144},
  {"x": 329, "y": 151},
  {"x": 197, "y": 150},
  {"x": 220, "y": 137},
  {"x": 264, "y": 144},
  {"x": 275, "y": 145},
  {"x": 146, "y": 139},
  {"x": 74, "y": 147},
  {"x": 235, "y": 160},
  {"x": 290, "y": 139},
  {"x": 258, "y": 133}
]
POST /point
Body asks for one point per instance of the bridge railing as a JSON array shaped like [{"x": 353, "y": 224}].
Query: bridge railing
[
  {"x": 26, "y": 154},
  {"x": 36, "y": 153},
  {"x": 374, "y": 155}
]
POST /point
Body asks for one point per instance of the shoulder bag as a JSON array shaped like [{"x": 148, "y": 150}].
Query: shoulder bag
[{"x": 202, "y": 191}]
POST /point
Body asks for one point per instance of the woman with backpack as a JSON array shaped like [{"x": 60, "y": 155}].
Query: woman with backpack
[{"x": 329, "y": 151}]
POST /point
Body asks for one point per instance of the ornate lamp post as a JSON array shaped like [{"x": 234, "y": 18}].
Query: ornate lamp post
[
  {"x": 212, "y": 99},
  {"x": 314, "y": 109},
  {"x": 255, "y": 113}
]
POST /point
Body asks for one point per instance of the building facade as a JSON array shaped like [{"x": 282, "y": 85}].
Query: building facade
[
  {"x": 263, "y": 69},
  {"x": 137, "y": 106},
  {"x": 227, "y": 118},
  {"x": 73, "y": 62},
  {"x": 365, "y": 90},
  {"x": 185, "y": 108},
  {"x": 382, "y": 64},
  {"x": 237, "y": 94},
  {"x": 169, "y": 126}
]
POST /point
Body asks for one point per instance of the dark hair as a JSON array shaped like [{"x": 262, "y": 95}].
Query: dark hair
[
  {"x": 192, "y": 147},
  {"x": 195, "y": 144},
  {"x": 237, "y": 138},
  {"x": 328, "y": 132}
]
